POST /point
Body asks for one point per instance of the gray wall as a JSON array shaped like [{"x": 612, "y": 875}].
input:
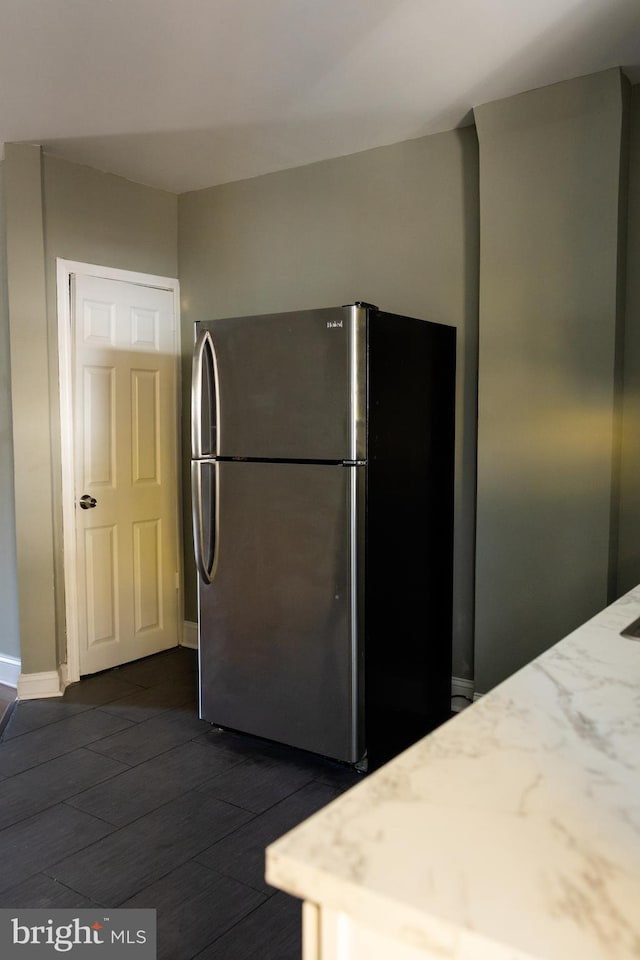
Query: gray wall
[
  {"x": 60, "y": 209},
  {"x": 549, "y": 190},
  {"x": 396, "y": 226},
  {"x": 97, "y": 218},
  {"x": 30, "y": 407},
  {"x": 9, "y": 628},
  {"x": 629, "y": 530},
  {"x": 100, "y": 218}
]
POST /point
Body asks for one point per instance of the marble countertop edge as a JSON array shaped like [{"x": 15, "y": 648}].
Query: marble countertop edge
[
  {"x": 378, "y": 912},
  {"x": 510, "y": 832}
]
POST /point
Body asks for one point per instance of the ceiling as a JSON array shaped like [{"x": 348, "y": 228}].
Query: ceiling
[{"x": 185, "y": 94}]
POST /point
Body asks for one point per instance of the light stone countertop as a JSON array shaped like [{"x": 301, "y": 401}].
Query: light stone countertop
[{"x": 512, "y": 831}]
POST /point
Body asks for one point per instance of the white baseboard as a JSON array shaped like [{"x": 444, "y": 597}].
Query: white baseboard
[
  {"x": 63, "y": 671},
  {"x": 9, "y": 670},
  {"x": 190, "y": 635},
  {"x": 462, "y": 693},
  {"x": 33, "y": 686}
]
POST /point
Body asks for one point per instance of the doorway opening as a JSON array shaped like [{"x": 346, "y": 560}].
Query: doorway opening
[{"x": 118, "y": 353}]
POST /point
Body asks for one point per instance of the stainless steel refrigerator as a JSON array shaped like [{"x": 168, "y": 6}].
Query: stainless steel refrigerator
[{"x": 322, "y": 484}]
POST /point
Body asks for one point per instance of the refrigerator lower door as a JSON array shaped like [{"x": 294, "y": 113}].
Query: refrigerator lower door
[{"x": 279, "y": 624}]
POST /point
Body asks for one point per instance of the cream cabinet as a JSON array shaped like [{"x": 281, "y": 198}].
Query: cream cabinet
[{"x": 330, "y": 935}]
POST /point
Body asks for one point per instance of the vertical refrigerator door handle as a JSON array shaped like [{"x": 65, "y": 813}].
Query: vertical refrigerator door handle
[
  {"x": 357, "y": 322},
  {"x": 206, "y": 559},
  {"x": 204, "y": 345}
]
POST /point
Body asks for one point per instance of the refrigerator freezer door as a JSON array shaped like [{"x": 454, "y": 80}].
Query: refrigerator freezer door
[
  {"x": 289, "y": 386},
  {"x": 279, "y": 623}
]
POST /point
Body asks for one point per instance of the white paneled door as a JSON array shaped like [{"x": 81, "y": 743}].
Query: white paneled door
[{"x": 126, "y": 504}]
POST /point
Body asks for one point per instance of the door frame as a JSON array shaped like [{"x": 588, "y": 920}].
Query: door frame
[{"x": 65, "y": 269}]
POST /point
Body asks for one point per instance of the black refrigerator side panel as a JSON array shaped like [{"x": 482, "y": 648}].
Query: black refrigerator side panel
[{"x": 409, "y": 530}]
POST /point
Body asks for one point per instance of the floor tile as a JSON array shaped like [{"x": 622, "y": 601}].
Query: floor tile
[
  {"x": 99, "y": 689},
  {"x": 149, "y": 739},
  {"x": 139, "y": 800},
  {"x": 42, "y": 891},
  {"x": 31, "y": 714},
  {"x": 270, "y": 771},
  {"x": 57, "y": 738},
  {"x": 245, "y": 745},
  {"x": 177, "y": 662},
  {"x": 337, "y": 775},
  {"x": 30, "y": 846},
  {"x": 151, "y": 784},
  {"x": 241, "y": 854},
  {"x": 49, "y": 783},
  {"x": 195, "y": 907},
  {"x": 116, "y": 868},
  {"x": 147, "y": 702},
  {"x": 271, "y": 932},
  {"x": 257, "y": 784},
  {"x": 255, "y": 748}
]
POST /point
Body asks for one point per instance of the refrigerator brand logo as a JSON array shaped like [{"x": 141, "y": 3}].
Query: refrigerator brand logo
[{"x": 333, "y": 323}]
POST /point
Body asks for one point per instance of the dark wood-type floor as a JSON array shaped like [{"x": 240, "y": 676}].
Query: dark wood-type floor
[{"x": 118, "y": 795}]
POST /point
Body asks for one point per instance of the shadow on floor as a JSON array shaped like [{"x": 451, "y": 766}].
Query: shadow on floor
[{"x": 117, "y": 795}]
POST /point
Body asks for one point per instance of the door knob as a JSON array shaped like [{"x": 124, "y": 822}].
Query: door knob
[{"x": 87, "y": 502}]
